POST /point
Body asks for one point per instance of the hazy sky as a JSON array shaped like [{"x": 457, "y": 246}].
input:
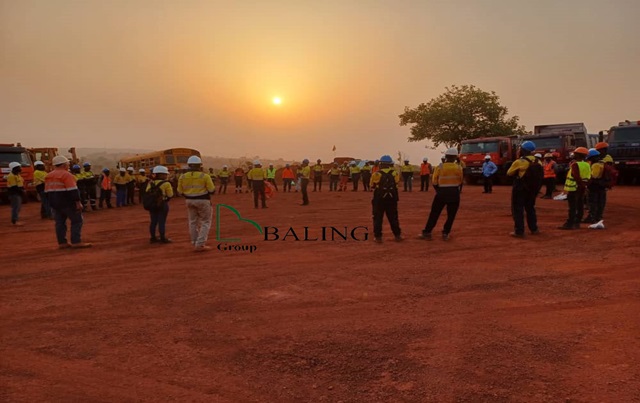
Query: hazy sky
[{"x": 202, "y": 74}]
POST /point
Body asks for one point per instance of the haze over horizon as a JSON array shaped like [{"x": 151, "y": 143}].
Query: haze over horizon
[{"x": 143, "y": 74}]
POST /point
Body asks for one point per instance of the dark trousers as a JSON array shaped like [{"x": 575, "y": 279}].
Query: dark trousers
[
  {"x": 223, "y": 185},
  {"x": 550, "y": 183},
  {"x": 75, "y": 217},
  {"x": 238, "y": 182},
  {"x": 45, "y": 209},
  {"x": 258, "y": 192},
  {"x": 286, "y": 184},
  {"x": 380, "y": 208},
  {"x": 333, "y": 182},
  {"x": 424, "y": 183},
  {"x": 141, "y": 191},
  {"x": 303, "y": 188},
  {"x": 91, "y": 194},
  {"x": 121, "y": 195},
  {"x": 105, "y": 196},
  {"x": 488, "y": 183},
  {"x": 16, "y": 206},
  {"x": 597, "y": 199},
  {"x": 159, "y": 220},
  {"x": 131, "y": 188},
  {"x": 355, "y": 178},
  {"x": 366, "y": 180},
  {"x": 449, "y": 198},
  {"x": 270, "y": 180},
  {"x": 82, "y": 189},
  {"x": 317, "y": 181},
  {"x": 408, "y": 183},
  {"x": 521, "y": 202},
  {"x": 576, "y": 207}
]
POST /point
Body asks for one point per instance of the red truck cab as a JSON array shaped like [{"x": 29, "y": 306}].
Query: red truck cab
[
  {"x": 501, "y": 149},
  {"x": 15, "y": 153}
]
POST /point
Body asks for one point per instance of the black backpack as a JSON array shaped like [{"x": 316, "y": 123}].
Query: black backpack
[
  {"x": 153, "y": 199},
  {"x": 533, "y": 177},
  {"x": 387, "y": 189}
]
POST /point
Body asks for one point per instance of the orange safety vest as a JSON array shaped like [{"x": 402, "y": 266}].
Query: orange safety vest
[
  {"x": 425, "y": 168},
  {"x": 549, "y": 170},
  {"x": 287, "y": 173},
  {"x": 106, "y": 182}
]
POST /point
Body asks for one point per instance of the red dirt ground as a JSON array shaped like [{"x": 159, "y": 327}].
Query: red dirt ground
[{"x": 483, "y": 317}]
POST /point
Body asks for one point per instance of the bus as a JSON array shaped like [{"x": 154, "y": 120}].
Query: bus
[{"x": 175, "y": 159}]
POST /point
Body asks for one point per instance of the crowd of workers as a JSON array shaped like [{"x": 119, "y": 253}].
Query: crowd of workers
[{"x": 68, "y": 191}]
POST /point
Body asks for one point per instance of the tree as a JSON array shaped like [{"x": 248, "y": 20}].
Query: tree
[{"x": 460, "y": 113}]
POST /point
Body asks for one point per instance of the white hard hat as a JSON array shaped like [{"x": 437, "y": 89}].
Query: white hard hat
[
  {"x": 425, "y": 159},
  {"x": 38, "y": 163},
  {"x": 141, "y": 170},
  {"x": 224, "y": 166},
  {"x": 59, "y": 160},
  {"x": 14, "y": 165},
  {"x": 256, "y": 162},
  {"x": 160, "y": 170},
  {"x": 122, "y": 170},
  {"x": 451, "y": 151},
  {"x": 130, "y": 169},
  {"x": 537, "y": 155},
  {"x": 487, "y": 157},
  {"x": 194, "y": 159}
]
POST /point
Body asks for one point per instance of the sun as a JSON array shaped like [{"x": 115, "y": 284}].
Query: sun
[{"x": 276, "y": 100}]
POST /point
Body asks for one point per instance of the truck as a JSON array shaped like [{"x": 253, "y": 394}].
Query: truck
[
  {"x": 624, "y": 148},
  {"x": 16, "y": 153},
  {"x": 502, "y": 151},
  {"x": 560, "y": 139}
]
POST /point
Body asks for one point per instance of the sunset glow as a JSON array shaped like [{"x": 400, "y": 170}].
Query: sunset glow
[{"x": 277, "y": 101}]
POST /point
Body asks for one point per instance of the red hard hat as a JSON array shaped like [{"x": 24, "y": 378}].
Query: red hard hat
[
  {"x": 601, "y": 145},
  {"x": 581, "y": 150}
]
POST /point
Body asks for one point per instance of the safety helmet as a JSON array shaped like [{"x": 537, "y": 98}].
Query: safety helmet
[
  {"x": 38, "y": 163},
  {"x": 130, "y": 169},
  {"x": 59, "y": 160},
  {"x": 528, "y": 145},
  {"x": 607, "y": 158},
  {"x": 601, "y": 145},
  {"x": 14, "y": 165},
  {"x": 86, "y": 164},
  {"x": 194, "y": 159},
  {"x": 305, "y": 161},
  {"x": 224, "y": 166},
  {"x": 451, "y": 151},
  {"x": 548, "y": 155},
  {"x": 425, "y": 159},
  {"x": 270, "y": 165},
  {"x": 256, "y": 162},
  {"x": 352, "y": 163},
  {"x": 537, "y": 155},
  {"x": 593, "y": 153},
  {"x": 141, "y": 170},
  {"x": 386, "y": 159},
  {"x": 487, "y": 157},
  {"x": 319, "y": 161},
  {"x": 287, "y": 165},
  {"x": 122, "y": 170},
  {"x": 160, "y": 170},
  {"x": 105, "y": 170},
  {"x": 581, "y": 150},
  {"x": 76, "y": 166}
]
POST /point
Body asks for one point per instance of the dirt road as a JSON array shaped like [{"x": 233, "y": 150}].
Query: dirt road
[{"x": 482, "y": 317}]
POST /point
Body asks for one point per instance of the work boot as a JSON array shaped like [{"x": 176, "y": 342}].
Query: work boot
[
  {"x": 535, "y": 232},
  {"x": 516, "y": 235},
  {"x": 153, "y": 240},
  {"x": 64, "y": 246},
  {"x": 425, "y": 236},
  {"x": 81, "y": 245},
  {"x": 567, "y": 226},
  {"x": 399, "y": 238},
  {"x": 445, "y": 236},
  {"x": 202, "y": 248},
  {"x": 165, "y": 240},
  {"x": 377, "y": 239}
]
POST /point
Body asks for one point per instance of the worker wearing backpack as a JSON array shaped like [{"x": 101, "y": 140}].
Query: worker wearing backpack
[
  {"x": 525, "y": 189},
  {"x": 385, "y": 198},
  {"x": 447, "y": 181},
  {"x": 196, "y": 186},
  {"x": 156, "y": 201},
  {"x": 575, "y": 186}
]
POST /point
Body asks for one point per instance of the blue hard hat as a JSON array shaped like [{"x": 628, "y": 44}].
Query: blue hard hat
[
  {"x": 105, "y": 170},
  {"x": 386, "y": 159},
  {"x": 305, "y": 161},
  {"x": 75, "y": 166},
  {"x": 86, "y": 164},
  {"x": 529, "y": 146},
  {"x": 593, "y": 153}
]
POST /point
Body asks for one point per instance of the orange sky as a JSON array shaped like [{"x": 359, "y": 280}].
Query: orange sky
[{"x": 202, "y": 74}]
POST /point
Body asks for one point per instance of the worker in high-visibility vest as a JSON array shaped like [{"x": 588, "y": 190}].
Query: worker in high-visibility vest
[
  {"x": 90, "y": 183},
  {"x": 523, "y": 199},
  {"x": 304, "y": 174},
  {"x": 407, "y": 176},
  {"x": 365, "y": 172},
  {"x": 121, "y": 182},
  {"x": 76, "y": 171},
  {"x": 549, "y": 167},
  {"x": 105, "y": 188},
  {"x": 447, "y": 181},
  {"x": 238, "y": 175},
  {"x": 334, "y": 177},
  {"x": 575, "y": 186},
  {"x": 354, "y": 170},
  {"x": 597, "y": 187},
  {"x": 224, "y": 175},
  {"x": 425, "y": 173},
  {"x": 288, "y": 178},
  {"x": 345, "y": 173},
  {"x": 385, "y": 199},
  {"x": 15, "y": 191},
  {"x": 131, "y": 187},
  {"x": 142, "y": 180},
  {"x": 197, "y": 188},
  {"x": 317, "y": 176},
  {"x": 38, "y": 181},
  {"x": 271, "y": 176},
  {"x": 257, "y": 175}
]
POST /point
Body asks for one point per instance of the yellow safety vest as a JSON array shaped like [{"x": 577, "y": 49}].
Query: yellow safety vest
[
  {"x": 570, "y": 184},
  {"x": 194, "y": 184},
  {"x": 448, "y": 175}
]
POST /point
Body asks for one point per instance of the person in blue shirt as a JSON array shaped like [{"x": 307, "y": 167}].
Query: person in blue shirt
[{"x": 488, "y": 170}]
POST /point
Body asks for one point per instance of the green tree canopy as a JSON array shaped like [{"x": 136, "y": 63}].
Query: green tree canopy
[{"x": 460, "y": 113}]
